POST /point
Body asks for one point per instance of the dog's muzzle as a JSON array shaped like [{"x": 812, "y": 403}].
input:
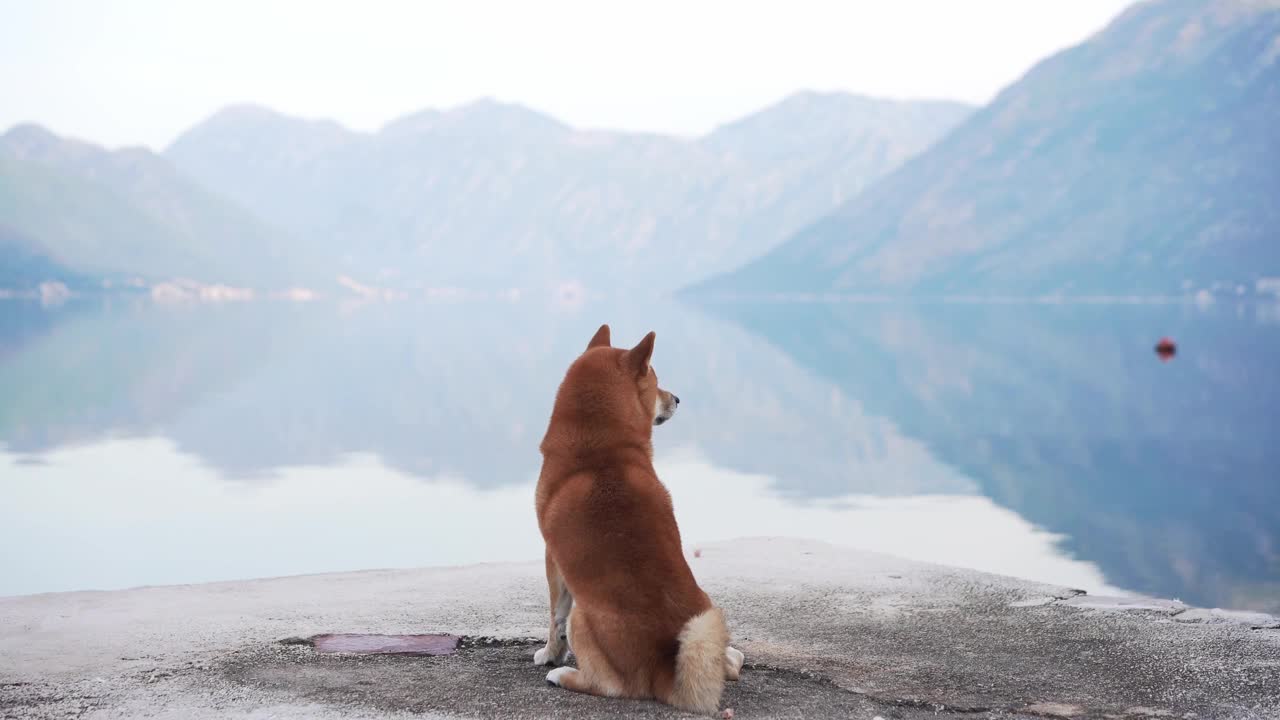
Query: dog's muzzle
[{"x": 666, "y": 408}]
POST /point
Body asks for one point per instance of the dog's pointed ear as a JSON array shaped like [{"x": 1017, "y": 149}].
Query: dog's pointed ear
[
  {"x": 600, "y": 339},
  {"x": 638, "y": 357}
]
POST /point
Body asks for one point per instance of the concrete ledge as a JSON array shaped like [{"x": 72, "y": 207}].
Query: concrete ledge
[{"x": 828, "y": 632}]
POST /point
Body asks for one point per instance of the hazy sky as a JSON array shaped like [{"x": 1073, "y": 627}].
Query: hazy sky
[{"x": 141, "y": 71}]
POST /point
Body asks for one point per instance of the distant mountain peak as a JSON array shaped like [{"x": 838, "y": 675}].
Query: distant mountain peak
[
  {"x": 28, "y": 138},
  {"x": 36, "y": 142},
  {"x": 838, "y": 112},
  {"x": 245, "y": 111},
  {"x": 414, "y": 123},
  {"x": 890, "y": 129},
  {"x": 244, "y": 118},
  {"x": 1155, "y": 33},
  {"x": 252, "y": 113},
  {"x": 483, "y": 115},
  {"x": 839, "y": 104},
  {"x": 28, "y": 133},
  {"x": 821, "y": 98}
]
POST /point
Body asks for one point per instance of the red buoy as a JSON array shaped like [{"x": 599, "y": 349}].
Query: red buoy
[{"x": 1166, "y": 349}]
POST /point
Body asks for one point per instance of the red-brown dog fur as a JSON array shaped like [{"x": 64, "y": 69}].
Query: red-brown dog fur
[{"x": 622, "y": 595}]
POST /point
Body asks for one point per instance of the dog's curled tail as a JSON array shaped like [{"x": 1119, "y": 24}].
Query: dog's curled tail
[{"x": 700, "y": 663}]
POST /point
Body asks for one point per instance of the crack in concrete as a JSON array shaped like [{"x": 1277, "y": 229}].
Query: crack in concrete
[
  {"x": 469, "y": 642},
  {"x": 914, "y": 704},
  {"x": 1036, "y": 709}
]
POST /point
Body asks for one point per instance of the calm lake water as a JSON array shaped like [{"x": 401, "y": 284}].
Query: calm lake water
[{"x": 144, "y": 444}]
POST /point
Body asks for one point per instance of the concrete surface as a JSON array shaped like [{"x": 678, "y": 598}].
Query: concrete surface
[{"x": 828, "y": 632}]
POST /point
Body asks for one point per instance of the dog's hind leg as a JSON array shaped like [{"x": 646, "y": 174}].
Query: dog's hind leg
[
  {"x": 557, "y": 648},
  {"x": 594, "y": 675}
]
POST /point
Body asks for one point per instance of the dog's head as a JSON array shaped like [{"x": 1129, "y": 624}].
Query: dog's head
[{"x": 629, "y": 375}]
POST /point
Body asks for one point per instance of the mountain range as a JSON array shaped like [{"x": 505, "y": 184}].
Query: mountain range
[
  {"x": 1145, "y": 160},
  {"x": 493, "y": 195},
  {"x": 488, "y": 195}
]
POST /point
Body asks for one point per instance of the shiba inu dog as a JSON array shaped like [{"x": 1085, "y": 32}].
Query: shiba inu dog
[{"x": 622, "y": 595}]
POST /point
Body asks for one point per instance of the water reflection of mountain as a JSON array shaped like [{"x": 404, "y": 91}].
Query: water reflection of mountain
[
  {"x": 1161, "y": 474},
  {"x": 1164, "y": 475},
  {"x": 444, "y": 389},
  {"x": 22, "y": 321}
]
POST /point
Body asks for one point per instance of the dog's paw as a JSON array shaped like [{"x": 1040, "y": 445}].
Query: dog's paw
[
  {"x": 556, "y": 677},
  {"x": 733, "y": 663},
  {"x": 546, "y": 656}
]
